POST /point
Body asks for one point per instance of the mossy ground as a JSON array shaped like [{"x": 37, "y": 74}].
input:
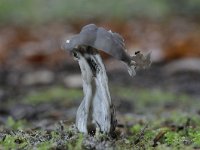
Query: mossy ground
[{"x": 148, "y": 119}]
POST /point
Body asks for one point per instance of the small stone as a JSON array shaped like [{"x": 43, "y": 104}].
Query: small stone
[
  {"x": 182, "y": 65},
  {"x": 73, "y": 81},
  {"x": 38, "y": 77}
]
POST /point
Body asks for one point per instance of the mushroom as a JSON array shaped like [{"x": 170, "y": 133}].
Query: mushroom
[{"x": 96, "y": 107}]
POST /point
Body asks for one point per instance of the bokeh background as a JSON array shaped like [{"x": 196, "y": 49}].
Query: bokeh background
[{"x": 40, "y": 82}]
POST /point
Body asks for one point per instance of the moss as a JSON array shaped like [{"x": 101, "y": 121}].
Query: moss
[
  {"x": 136, "y": 128},
  {"x": 45, "y": 145},
  {"x": 15, "y": 125},
  {"x": 167, "y": 128},
  {"x": 13, "y": 142},
  {"x": 173, "y": 138},
  {"x": 138, "y": 137},
  {"x": 195, "y": 137},
  {"x": 52, "y": 94},
  {"x": 152, "y": 98},
  {"x": 78, "y": 144}
]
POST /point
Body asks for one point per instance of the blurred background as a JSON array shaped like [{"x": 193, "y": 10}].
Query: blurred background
[{"x": 39, "y": 81}]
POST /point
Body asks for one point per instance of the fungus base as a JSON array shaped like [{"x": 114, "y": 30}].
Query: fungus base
[{"x": 96, "y": 108}]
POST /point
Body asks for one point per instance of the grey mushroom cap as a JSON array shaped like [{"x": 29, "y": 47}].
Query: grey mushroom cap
[{"x": 100, "y": 39}]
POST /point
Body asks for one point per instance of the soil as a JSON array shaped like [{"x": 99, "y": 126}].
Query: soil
[{"x": 29, "y": 71}]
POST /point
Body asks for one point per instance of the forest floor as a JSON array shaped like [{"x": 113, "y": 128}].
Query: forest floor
[
  {"x": 41, "y": 89},
  {"x": 154, "y": 111}
]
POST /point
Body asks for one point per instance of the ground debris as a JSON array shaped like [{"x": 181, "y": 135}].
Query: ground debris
[
  {"x": 141, "y": 135},
  {"x": 158, "y": 137}
]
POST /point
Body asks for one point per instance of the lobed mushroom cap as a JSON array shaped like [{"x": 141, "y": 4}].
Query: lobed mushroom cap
[{"x": 100, "y": 39}]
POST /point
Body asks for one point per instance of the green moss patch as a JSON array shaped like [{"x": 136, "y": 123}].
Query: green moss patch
[{"x": 53, "y": 94}]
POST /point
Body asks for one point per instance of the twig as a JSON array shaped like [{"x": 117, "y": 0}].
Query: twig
[{"x": 141, "y": 135}]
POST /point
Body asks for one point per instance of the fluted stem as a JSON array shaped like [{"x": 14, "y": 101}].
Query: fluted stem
[{"x": 96, "y": 107}]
